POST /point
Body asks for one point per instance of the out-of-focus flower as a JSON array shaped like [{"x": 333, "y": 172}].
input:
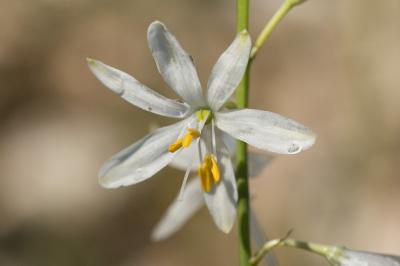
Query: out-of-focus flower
[
  {"x": 203, "y": 120},
  {"x": 347, "y": 257}
]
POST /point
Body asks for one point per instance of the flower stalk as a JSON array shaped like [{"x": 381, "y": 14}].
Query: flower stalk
[
  {"x": 242, "y": 15},
  {"x": 242, "y": 93},
  {"x": 271, "y": 25}
]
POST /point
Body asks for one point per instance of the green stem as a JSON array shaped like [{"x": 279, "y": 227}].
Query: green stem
[
  {"x": 242, "y": 14},
  {"x": 271, "y": 25},
  {"x": 242, "y": 92}
]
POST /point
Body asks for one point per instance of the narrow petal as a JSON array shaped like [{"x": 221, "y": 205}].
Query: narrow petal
[
  {"x": 142, "y": 159},
  {"x": 265, "y": 130},
  {"x": 228, "y": 71},
  {"x": 174, "y": 64},
  {"x": 180, "y": 211},
  {"x": 221, "y": 200},
  {"x": 136, "y": 93}
]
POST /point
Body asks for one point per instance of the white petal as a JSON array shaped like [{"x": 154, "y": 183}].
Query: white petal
[
  {"x": 142, "y": 159},
  {"x": 180, "y": 211},
  {"x": 136, "y": 93},
  {"x": 229, "y": 142},
  {"x": 228, "y": 71},
  {"x": 184, "y": 158},
  {"x": 221, "y": 200},
  {"x": 174, "y": 64},
  {"x": 265, "y": 130}
]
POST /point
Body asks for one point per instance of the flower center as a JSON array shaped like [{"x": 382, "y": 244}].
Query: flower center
[
  {"x": 204, "y": 114},
  {"x": 209, "y": 172},
  {"x": 208, "y": 169}
]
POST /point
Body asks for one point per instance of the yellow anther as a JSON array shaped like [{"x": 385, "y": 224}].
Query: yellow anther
[
  {"x": 192, "y": 134},
  {"x": 215, "y": 170},
  {"x": 185, "y": 141},
  {"x": 209, "y": 172},
  {"x": 205, "y": 178},
  {"x": 175, "y": 146}
]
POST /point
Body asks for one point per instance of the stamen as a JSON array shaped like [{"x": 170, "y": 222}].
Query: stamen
[
  {"x": 185, "y": 141},
  {"x": 215, "y": 170},
  {"x": 214, "y": 144},
  {"x": 188, "y": 169},
  {"x": 192, "y": 134},
  {"x": 185, "y": 178},
  {"x": 175, "y": 146},
  {"x": 205, "y": 178},
  {"x": 209, "y": 172},
  {"x": 199, "y": 150}
]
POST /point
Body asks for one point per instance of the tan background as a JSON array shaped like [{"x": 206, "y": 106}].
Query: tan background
[{"x": 332, "y": 65}]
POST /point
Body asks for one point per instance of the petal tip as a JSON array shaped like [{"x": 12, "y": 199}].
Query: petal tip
[
  {"x": 157, "y": 236},
  {"x": 226, "y": 228},
  {"x": 90, "y": 60},
  {"x": 156, "y": 25},
  {"x": 312, "y": 139},
  {"x": 157, "y": 22},
  {"x": 104, "y": 183},
  {"x": 92, "y": 63},
  {"x": 305, "y": 145}
]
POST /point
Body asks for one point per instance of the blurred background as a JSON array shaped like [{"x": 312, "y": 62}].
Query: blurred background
[{"x": 331, "y": 65}]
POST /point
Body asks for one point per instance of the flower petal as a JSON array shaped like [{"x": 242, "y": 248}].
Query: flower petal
[
  {"x": 228, "y": 71},
  {"x": 180, "y": 211},
  {"x": 221, "y": 200},
  {"x": 266, "y": 130},
  {"x": 174, "y": 64},
  {"x": 136, "y": 93},
  {"x": 142, "y": 159}
]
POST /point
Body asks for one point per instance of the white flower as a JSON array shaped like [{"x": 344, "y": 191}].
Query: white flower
[
  {"x": 203, "y": 119},
  {"x": 347, "y": 257}
]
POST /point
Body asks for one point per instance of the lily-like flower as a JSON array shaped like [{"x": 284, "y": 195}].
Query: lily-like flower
[
  {"x": 203, "y": 119},
  {"x": 348, "y": 257}
]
